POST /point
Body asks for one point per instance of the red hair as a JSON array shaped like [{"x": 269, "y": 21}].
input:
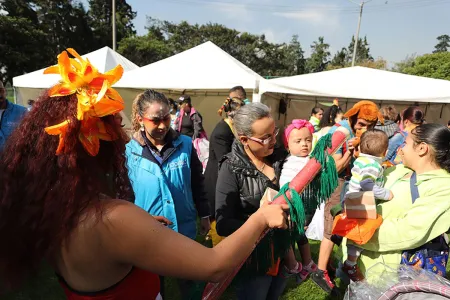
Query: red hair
[{"x": 43, "y": 196}]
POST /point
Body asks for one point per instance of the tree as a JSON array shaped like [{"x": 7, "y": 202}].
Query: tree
[
  {"x": 21, "y": 47},
  {"x": 100, "y": 20},
  {"x": 319, "y": 56},
  {"x": 295, "y": 63},
  {"x": 59, "y": 24},
  {"x": 443, "y": 45},
  {"x": 340, "y": 59},
  {"x": 144, "y": 50},
  {"x": 362, "y": 52},
  {"x": 379, "y": 63},
  {"x": 408, "y": 62},
  {"x": 436, "y": 65},
  {"x": 252, "y": 50}
]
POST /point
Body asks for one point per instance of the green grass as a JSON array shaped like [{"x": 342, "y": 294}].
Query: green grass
[{"x": 45, "y": 287}]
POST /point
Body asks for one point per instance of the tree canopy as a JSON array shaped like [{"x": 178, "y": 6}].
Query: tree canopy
[{"x": 33, "y": 32}]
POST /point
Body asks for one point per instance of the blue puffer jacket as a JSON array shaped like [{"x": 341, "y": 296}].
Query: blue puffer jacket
[
  {"x": 10, "y": 119},
  {"x": 164, "y": 190}
]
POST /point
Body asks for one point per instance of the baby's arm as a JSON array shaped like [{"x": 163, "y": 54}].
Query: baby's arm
[{"x": 379, "y": 192}]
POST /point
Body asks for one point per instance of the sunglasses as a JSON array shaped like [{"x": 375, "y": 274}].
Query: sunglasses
[
  {"x": 267, "y": 140},
  {"x": 158, "y": 120}
]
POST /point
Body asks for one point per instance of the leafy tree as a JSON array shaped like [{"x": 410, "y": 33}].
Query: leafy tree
[
  {"x": 58, "y": 24},
  {"x": 295, "y": 61},
  {"x": 319, "y": 56},
  {"x": 252, "y": 50},
  {"x": 100, "y": 20},
  {"x": 443, "y": 45},
  {"x": 21, "y": 47},
  {"x": 408, "y": 62},
  {"x": 436, "y": 65},
  {"x": 362, "y": 52},
  {"x": 340, "y": 59},
  {"x": 144, "y": 50}
]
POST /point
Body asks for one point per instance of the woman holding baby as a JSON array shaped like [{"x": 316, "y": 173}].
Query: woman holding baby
[{"x": 409, "y": 223}]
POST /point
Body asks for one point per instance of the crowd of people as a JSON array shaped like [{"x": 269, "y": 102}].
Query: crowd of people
[{"x": 114, "y": 214}]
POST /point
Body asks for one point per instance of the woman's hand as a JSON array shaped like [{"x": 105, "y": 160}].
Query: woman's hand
[
  {"x": 163, "y": 220},
  {"x": 205, "y": 226},
  {"x": 274, "y": 215}
]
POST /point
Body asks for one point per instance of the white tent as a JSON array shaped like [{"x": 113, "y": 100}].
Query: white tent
[
  {"x": 205, "y": 72},
  {"x": 31, "y": 85},
  {"x": 357, "y": 83}
]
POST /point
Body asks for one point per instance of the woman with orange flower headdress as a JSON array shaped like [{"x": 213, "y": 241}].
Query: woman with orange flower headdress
[{"x": 61, "y": 175}]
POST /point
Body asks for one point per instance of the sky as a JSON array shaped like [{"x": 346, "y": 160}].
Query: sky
[{"x": 394, "y": 28}]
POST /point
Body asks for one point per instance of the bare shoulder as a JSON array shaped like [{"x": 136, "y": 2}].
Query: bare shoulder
[{"x": 117, "y": 211}]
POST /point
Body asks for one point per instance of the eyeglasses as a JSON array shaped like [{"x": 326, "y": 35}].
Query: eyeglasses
[
  {"x": 267, "y": 140},
  {"x": 157, "y": 120}
]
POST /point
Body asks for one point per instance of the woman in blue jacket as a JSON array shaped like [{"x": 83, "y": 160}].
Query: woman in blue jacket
[{"x": 164, "y": 169}]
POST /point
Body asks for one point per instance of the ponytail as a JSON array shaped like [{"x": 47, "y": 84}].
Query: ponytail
[{"x": 230, "y": 106}]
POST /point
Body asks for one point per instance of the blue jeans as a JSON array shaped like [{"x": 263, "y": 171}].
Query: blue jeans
[{"x": 261, "y": 287}]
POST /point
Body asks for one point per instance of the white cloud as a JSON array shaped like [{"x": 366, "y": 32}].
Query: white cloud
[
  {"x": 276, "y": 36},
  {"x": 321, "y": 15},
  {"x": 233, "y": 11}
]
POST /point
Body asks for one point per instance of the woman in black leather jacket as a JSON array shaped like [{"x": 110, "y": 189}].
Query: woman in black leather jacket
[{"x": 253, "y": 166}]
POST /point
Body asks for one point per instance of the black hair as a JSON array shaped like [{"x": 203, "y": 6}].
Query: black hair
[
  {"x": 173, "y": 103},
  {"x": 448, "y": 123},
  {"x": 414, "y": 114},
  {"x": 438, "y": 137},
  {"x": 329, "y": 115},
  {"x": 230, "y": 106},
  {"x": 142, "y": 102},
  {"x": 240, "y": 91},
  {"x": 316, "y": 110}
]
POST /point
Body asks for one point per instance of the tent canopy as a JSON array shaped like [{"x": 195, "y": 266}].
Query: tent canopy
[
  {"x": 205, "y": 67},
  {"x": 362, "y": 83},
  {"x": 103, "y": 59}
]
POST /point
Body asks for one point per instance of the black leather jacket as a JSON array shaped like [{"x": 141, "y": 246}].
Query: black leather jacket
[{"x": 240, "y": 187}]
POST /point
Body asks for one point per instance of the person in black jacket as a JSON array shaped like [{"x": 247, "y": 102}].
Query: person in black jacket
[
  {"x": 220, "y": 142},
  {"x": 189, "y": 121},
  {"x": 253, "y": 165}
]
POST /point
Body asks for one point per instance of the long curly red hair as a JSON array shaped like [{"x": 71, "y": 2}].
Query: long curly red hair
[{"x": 42, "y": 195}]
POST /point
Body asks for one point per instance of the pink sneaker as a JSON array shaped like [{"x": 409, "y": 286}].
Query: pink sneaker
[{"x": 304, "y": 273}]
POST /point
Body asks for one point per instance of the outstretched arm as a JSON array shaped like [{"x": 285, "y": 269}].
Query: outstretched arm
[{"x": 134, "y": 237}]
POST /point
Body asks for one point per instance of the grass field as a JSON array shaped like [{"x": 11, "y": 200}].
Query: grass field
[{"x": 46, "y": 287}]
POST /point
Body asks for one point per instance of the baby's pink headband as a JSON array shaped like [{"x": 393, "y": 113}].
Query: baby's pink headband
[{"x": 296, "y": 124}]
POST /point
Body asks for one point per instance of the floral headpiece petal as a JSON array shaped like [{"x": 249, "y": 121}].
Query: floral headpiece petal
[{"x": 95, "y": 97}]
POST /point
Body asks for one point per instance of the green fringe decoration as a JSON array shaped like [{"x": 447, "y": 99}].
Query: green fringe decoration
[
  {"x": 277, "y": 242},
  {"x": 324, "y": 184}
]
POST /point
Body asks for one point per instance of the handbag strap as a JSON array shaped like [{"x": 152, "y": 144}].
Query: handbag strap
[{"x": 413, "y": 187}]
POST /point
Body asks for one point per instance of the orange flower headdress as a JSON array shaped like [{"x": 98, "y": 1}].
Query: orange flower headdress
[{"x": 96, "y": 99}]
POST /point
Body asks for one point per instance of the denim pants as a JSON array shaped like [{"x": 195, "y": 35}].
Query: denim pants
[{"x": 261, "y": 287}]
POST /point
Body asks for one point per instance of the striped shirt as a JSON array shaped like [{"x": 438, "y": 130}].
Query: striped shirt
[{"x": 366, "y": 167}]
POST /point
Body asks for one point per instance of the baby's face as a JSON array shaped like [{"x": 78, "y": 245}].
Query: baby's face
[{"x": 300, "y": 142}]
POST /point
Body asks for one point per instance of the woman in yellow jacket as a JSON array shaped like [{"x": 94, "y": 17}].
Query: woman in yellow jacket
[{"x": 407, "y": 225}]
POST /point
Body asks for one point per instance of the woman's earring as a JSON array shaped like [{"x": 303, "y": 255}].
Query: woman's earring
[{"x": 142, "y": 127}]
